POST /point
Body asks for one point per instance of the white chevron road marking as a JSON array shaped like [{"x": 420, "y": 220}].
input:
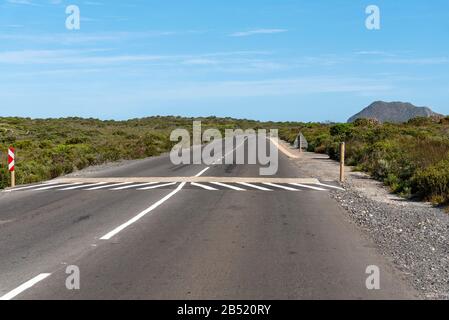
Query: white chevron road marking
[
  {"x": 330, "y": 186},
  {"x": 108, "y": 186},
  {"x": 57, "y": 186},
  {"x": 136, "y": 186},
  {"x": 228, "y": 186},
  {"x": 251, "y": 184},
  {"x": 307, "y": 186},
  {"x": 254, "y": 186},
  {"x": 203, "y": 186},
  {"x": 32, "y": 187},
  {"x": 158, "y": 186},
  {"x": 280, "y": 186},
  {"x": 83, "y": 186}
]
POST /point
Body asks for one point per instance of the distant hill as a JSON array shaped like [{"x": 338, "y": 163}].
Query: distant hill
[{"x": 396, "y": 112}]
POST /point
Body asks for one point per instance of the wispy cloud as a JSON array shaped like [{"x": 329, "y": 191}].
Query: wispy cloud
[
  {"x": 82, "y": 38},
  {"x": 105, "y": 57},
  {"x": 20, "y": 2},
  {"x": 417, "y": 61},
  {"x": 264, "y": 88},
  {"x": 374, "y": 53},
  {"x": 257, "y": 32}
]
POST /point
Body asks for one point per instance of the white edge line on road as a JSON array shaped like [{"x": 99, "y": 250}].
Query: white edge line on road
[
  {"x": 114, "y": 232},
  {"x": 203, "y": 186},
  {"x": 14, "y": 293}
]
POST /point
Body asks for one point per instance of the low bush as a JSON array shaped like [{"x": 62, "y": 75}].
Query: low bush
[{"x": 432, "y": 183}]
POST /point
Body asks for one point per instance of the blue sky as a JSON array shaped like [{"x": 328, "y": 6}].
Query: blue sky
[{"x": 265, "y": 59}]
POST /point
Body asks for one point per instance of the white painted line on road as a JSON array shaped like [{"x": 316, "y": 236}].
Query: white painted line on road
[
  {"x": 228, "y": 186},
  {"x": 232, "y": 151},
  {"x": 254, "y": 186},
  {"x": 58, "y": 186},
  {"x": 117, "y": 230},
  {"x": 135, "y": 185},
  {"x": 202, "y": 172},
  {"x": 330, "y": 186},
  {"x": 83, "y": 186},
  {"x": 158, "y": 186},
  {"x": 14, "y": 293},
  {"x": 307, "y": 186},
  {"x": 108, "y": 186},
  {"x": 31, "y": 187},
  {"x": 280, "y": 187},
  {"x": 203, "y": 186},
  {"x": 142, "y": 214}
]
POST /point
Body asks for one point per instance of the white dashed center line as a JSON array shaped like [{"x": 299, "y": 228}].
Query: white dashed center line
[
  {"x": 142, "y": 214},
  {"x": 14, "y": 293}
]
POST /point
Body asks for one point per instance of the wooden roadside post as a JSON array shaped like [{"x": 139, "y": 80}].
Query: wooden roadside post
[
  {"x": 342, "y": 161},
  {"x": 13, "y": 179}
]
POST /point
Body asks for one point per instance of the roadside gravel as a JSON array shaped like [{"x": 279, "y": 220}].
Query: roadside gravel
[{"x": 413, "y": 235}]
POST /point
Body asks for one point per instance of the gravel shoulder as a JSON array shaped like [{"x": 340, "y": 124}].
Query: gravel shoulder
[{"x": 413, "y": 235}]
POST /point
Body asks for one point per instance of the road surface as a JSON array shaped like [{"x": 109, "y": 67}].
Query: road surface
[{"x": 184, "y": 240}]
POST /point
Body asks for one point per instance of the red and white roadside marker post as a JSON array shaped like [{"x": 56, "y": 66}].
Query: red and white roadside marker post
[{"x": 11, "y": 163}]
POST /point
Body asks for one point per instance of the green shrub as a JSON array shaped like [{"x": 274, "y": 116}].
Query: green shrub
[
  {"x": 342, "y": 130},
  {"x": 432, "y": 183}
]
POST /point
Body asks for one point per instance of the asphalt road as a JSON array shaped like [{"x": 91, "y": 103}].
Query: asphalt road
[{"x": 184, "y": 241}]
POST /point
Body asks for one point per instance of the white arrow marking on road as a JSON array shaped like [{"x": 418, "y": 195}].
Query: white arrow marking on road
[{"x": 14, "y": 293}]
